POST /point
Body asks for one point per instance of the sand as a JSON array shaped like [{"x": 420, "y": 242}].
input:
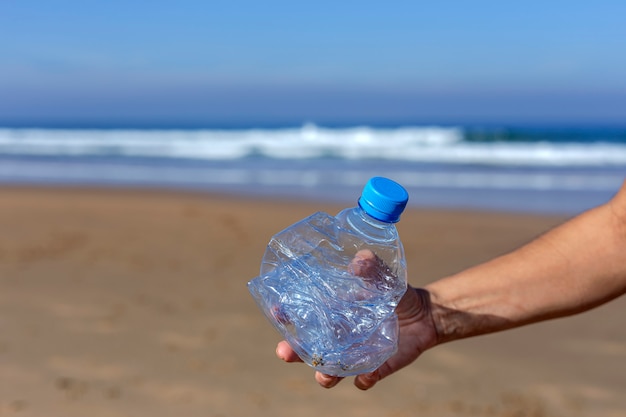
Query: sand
[{"x": 134, "y": 303}]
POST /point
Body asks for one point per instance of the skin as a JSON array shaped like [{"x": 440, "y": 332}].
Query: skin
[{"x": 575, "y": 267}]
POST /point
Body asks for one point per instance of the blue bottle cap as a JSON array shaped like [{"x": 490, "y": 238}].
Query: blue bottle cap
[{"x": 383, "y": 199}]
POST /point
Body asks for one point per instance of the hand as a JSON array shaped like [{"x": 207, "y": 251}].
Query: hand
[{"x": 417, "y": 329}]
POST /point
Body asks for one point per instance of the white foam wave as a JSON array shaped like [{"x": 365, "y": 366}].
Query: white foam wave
[{"x": 417, "y": 144}]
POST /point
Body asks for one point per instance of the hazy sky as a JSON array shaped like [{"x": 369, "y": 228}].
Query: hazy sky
[{"x": 259, "y": 62}]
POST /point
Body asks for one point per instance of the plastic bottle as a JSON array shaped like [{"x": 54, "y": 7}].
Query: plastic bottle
[{"x": 309, "y": 286}]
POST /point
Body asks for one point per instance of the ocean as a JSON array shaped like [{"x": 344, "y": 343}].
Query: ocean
[{"x": 517, "y": 169}]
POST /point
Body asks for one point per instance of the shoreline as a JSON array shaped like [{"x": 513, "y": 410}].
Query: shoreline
[
  {"x": 133, "y": 302},
  {"x": 515, "y": 202}
]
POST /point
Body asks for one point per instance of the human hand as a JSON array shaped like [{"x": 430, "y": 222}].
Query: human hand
[{"x": 417, "y": 329}]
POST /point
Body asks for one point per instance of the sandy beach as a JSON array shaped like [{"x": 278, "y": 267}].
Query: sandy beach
[{"x": 134, "y": 303}]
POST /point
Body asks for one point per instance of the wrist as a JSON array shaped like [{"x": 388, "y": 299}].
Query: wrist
[
  {"x": 460, "y": 316},
  {"x": 445, "y": 322}
]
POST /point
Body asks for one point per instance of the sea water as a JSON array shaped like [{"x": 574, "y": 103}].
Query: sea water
[{"x": 527, "y": 169}]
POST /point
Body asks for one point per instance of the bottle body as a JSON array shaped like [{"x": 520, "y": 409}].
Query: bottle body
[
  {"x": 363, "y": 232},
  {"x": 338, "y": 319}
]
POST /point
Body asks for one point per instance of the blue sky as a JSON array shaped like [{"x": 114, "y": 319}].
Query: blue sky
[{"x": 267, "y": 62}]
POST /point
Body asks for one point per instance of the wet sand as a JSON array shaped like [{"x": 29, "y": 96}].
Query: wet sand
[{"x": 134, "y": 303}]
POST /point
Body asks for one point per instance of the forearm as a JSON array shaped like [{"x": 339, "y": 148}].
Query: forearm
[{"x": 570, "y": 269}]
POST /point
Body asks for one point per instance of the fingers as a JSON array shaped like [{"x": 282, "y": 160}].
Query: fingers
[
  {"x": 367, "y": 381},
  {"x": 362, "y": 263},
  {"x": 368, "y": 266},
  {"x": 363, "y": 382},
  {"x": 286, "y": 353},
  {"x": 327, "y": 381}
]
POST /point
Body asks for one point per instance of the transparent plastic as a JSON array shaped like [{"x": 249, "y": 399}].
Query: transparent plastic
[{"x": 338, "y": 316}]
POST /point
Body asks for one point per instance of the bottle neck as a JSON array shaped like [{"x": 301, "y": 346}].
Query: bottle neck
[
  {"x": 370, "y": 219},
  {"x": 357, "y": 219}
]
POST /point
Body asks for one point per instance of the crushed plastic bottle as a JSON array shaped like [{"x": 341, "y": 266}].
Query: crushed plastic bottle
[{"x": 330, "y": 285}]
